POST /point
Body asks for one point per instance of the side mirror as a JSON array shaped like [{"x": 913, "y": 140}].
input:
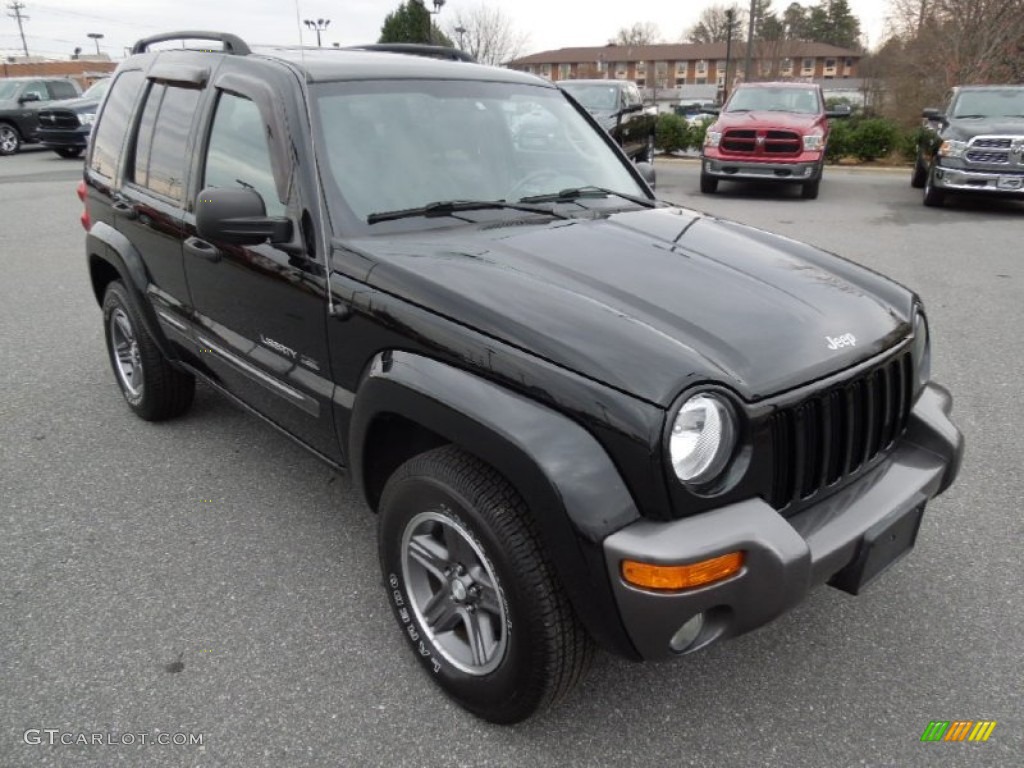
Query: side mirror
[
  {"x": 712, "y": 110},
  {"x": 238, "y": 216},
  {"x": 647, "y": 172},
  {"x": 838, "y": 112},
  {"x": 933, "y": 114},
  {"x": 25, "y": 99},
  {"x": 632, "y": 108}
]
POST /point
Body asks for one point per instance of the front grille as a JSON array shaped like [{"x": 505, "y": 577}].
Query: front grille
[
  {"x": 996, "y": 143},
  {"x": 769, "y": 142},
  {"x": 997, "y": 158},
  {"x": 58, "y": 118},
  {"x": 831, "y": 435}
]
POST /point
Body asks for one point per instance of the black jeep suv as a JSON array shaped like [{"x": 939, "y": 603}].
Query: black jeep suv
[
  {"x": 973, "y": 145},
  {"x": 583, "y": 416}
]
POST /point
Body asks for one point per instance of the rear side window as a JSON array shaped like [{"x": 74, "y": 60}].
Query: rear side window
[
  {"x": 160, "y": 148},
  {"x": 108, "y": 138},
  {"x": 62, "y": 89},
  {"x": 38, "y": 89},
  {"x": 239, "y": 154}
]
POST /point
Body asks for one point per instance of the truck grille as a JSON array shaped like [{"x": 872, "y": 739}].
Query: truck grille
[
  {"x": 58, "y": 118},
  {"x": 745, "y": 141},
  {"x": 831, "y": 435},
  {"x": 998, "y": 158},
  {"x": 995, "y": 150}
]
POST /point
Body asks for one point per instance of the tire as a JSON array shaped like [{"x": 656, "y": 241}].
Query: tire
[
  {"x": 809, "y": 189},
  {"x": 920, "y": 174},
  {"x": 10, "y": 139},
  {"x": 457, "y": 543},
  {"x": 708, "y": 184},
  {"x": 151, "y": 386},
  {"x": 934, "y": 197},
  {"x": 647, "y": 156},
  {"x": 69, "y": 153}
]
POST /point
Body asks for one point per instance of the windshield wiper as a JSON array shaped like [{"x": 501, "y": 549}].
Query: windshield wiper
[
  {"x": 575, "y": 193},
  {"x": 449, "y": 207},
  {"x": 970, "y": 117}
]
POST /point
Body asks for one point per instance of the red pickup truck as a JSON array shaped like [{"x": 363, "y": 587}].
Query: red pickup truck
[{"x": 768, "y": 132}]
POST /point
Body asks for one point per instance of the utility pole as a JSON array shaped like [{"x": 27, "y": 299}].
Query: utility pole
[
  {"x": 750, "y": 40},
  {"x": 730, "y": 20},
  {"x": 17, "y": 8}
]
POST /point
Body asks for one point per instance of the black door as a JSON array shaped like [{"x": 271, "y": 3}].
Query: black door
[{"x": 260, "y": 311}]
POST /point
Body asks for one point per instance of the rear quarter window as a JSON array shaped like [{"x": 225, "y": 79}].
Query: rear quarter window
[
  {"x": 62, "y": 89},
  {"x": 109, "y": 135}
]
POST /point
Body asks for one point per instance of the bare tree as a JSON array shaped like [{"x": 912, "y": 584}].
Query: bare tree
[
  {"x": 487, "y": 33},
  {"x": 713, "y": 25},
  {"x": 639, "y": 34}
]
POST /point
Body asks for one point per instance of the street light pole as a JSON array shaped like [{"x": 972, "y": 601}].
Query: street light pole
[
  {"x": 460, "y": 31},
  {"x": 750, "y": 40},
  {"x": 96, "y": 37},
  {"x": 438, "y": 5},
  {"x": 318, "y": 26}
]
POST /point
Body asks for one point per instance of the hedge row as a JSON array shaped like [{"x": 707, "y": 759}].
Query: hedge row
[{"x": 866, "y": 139}]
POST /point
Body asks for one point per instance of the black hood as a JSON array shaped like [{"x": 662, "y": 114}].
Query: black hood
[
  {"x": 961, "y": 129},
  {"x": 651, "y": 301}
]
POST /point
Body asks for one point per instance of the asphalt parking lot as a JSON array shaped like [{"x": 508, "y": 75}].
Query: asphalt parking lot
[{"x": 207, "y": 577}]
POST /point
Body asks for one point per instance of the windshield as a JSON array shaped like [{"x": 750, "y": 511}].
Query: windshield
[
  {"x": 1007, "y": 102},
  {"x": 603, "y": 97},
  {"x": 397, "y": 145},
  {"x": 97, "y": 89},
  {"x": 783, "y": 99},
  {"x": 8, "y": 90}
]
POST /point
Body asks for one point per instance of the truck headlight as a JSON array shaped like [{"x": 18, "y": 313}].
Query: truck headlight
[
  {"x": 922, "y": 352},
  {"x": 87, "y": 118},
  {"x": 951, "y": 148},
  {"x": 813, "y": 141},
  {"x": 712, "y": 138},
  {"x": 702, "y": 439}
]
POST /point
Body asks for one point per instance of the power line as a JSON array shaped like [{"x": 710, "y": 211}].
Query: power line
[{"x": 17, "y": 8}]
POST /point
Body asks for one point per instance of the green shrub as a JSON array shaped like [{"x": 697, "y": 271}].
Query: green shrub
[
  {"x": 672, "y": 133},
  {"x": 698, "y": 132},
  {"x": 838, "y": 145},
  {"x": 909, "y": 141},
  {"x": 873, "y": 138}
]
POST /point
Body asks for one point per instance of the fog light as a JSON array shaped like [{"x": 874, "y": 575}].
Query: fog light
[
  {"x": 676, "y": 577},
  {"x": 687, "y": 633}
]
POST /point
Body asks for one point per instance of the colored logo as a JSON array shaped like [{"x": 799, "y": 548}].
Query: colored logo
[{"x": 958, "y": 730}]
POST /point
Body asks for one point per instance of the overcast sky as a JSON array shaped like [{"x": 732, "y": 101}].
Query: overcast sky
[{"x": 56, "y": 27}]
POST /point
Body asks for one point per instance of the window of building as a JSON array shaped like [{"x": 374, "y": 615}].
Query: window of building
[
  {"x": 160, "y": 155},
  {"x": 701, "y": 81},
  {"x": 563, "y": 71},
  {"x": 830, "y": 63},
  {"x": 787, "y": 65},
  {"x": 808, "y": 65},
  {"x": 620, "y": 70},
  {"x": 238, "y": 155},
  {"x": 681, "y": 68},
  {"x": 641, "y": 67},
  {"x": 702, "y": 67},
  {"x": 113, "y": 121},
  {"x": 849, "y": 63}
]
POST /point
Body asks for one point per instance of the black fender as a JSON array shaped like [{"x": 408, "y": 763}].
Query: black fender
[
  {"x": 105, "y": 243},
  {"x": 566, "y": 478}
]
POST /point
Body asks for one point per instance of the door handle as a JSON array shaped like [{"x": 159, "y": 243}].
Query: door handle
[
  {"x": 125, "y": 209},
  {"x": 203, "y": 249}
]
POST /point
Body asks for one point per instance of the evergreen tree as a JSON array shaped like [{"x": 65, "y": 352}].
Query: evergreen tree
[{"x": 411, "y": 23}]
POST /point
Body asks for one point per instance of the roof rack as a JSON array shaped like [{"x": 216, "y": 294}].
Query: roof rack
[
  {"x": 233, "y": 44},
  {"x": 416, "y": 49}
]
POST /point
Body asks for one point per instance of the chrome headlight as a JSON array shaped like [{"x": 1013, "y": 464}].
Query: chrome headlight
[
  {"x": 922, "y": 352},
  {"x": 712, "y": 138},
  {"x": 814, "y": 141},
  {"x": 951, "y": 148},
  {"x": 702, "y": 439},
  {"x": 87, "y": 118}
]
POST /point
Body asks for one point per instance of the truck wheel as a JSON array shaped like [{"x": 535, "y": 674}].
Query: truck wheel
[
  {"x": 69, "y": 153},
  {"x": 472, "y": 589},
  {"x": 809, "y": 189},
  {"x": 934, "y": 197},
  {"x": 647, "y": 156},
  {"x": 10, "y": 139},
  {"x": 153, "y": 388},
  {"x": 920, "y": 173},
  {"x": 708, "y": 184}
]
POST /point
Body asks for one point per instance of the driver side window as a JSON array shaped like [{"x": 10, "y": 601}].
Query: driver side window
[{"x": 38, "y": 88}]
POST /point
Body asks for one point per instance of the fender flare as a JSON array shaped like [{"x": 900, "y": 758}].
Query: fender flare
[
  {"x": 565, "y": 476},
  {"x": 106, "y": 244}
]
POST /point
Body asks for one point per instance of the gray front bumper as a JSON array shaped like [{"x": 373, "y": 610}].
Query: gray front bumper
[
  {"x": 784, "y": 557},
  {"x": 745, "y": 169},
  {"x": 963, "y": 180}
]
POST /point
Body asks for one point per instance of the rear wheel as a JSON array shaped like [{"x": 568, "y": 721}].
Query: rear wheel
[
  {"x": 934, "y": 197},
  {"x": 151, "y": 386},
  {"x": 69, "y": 153},
  {"x": 708, "y": 184},
  {"x": 472, "y": 589},
  {"x": 10, "y": 139}
]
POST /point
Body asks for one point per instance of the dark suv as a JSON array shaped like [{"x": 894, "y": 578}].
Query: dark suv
[
  {"x": 583, "y": 416},
  {"x": 973, "y": 145},
  {"x": 20, "y": 98},
  {"x": 64, "y": 126}
]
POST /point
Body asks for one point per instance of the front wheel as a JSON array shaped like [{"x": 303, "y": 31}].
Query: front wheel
[
  {"x": 809, "y": 189},
  {"x": 708, "y": 184},
  {"x": 10, "y": 139},
  {"x": 917, "y": 179},
  {"x": 472, "y": 589},
  {"x": 934, "y": 197},
  {"x": 647, "y": 155}
]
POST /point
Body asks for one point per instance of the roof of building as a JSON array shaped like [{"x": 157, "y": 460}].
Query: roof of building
[{"x": 677, "y": 52}]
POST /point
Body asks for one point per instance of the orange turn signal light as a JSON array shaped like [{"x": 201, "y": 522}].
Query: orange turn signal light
[{"x": 675, "y": 577}]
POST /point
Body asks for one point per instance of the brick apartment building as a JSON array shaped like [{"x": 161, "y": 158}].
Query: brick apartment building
[
  {"x": 84, "y": 70},
  {"x": 678, "y": 65}
]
